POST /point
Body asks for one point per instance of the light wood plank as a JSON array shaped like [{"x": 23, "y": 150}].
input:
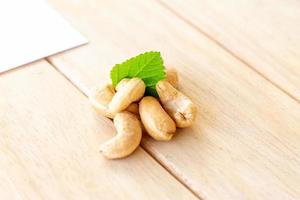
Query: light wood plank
[
  {"x": 49, "y": 146},
  {"x": 263, "y": 33},
  {"x": 246, "y": 141}
]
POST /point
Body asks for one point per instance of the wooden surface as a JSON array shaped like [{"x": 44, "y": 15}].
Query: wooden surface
[
  {"x": 244, "y": 145},
  {"x": 263, "y": 33},
  {"x": 49, "y": 146},
  {"x": 237, "y": 148}
]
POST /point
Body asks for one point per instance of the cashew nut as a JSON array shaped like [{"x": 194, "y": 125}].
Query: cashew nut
[
  {"x": 128, "y": 138},
  {"x": 132, "y": 91},
  {"x": 156, "y": 121},
  {"x": 177, "y": 105},
  {"x": 100, "y": 98},
  {"x": 172, "y": 77},
  {"x": 122, "y": 83},
  {"x": 133, "y": 108}
]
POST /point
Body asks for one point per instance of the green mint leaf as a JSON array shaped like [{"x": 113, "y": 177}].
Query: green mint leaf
[{"x": 147, "y": 66}]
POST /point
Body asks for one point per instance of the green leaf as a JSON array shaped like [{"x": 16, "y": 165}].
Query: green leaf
[{"x": 147, "y": 66}]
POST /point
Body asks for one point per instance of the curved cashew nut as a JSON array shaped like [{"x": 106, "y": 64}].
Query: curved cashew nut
[
  {"x": 172, "y": 77},
  {"x": 122, "y": 83},
  {"x": 128, "y": 138},
  {"x": 100, "y": 98},
  {"x": 177, "y": 105},
  {"x": 132, "y": 91},
  {"x": 156, "y": 121},
  {"x": 133, "y": 107}
]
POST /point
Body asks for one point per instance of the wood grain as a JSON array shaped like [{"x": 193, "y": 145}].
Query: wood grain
[
  {"x": 246, "y": 141},
  {"x": 49, "y": 145},
  {"x": 263, "y": 33}
]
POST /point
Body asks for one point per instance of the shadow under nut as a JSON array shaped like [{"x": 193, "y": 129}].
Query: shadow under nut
[
  {"x": 132, "y": 91},
  {"x": 128, "y": 138},
  {"x": 156, "y": 121}
]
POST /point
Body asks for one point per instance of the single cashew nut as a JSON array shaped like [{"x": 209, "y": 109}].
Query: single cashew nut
[
  {"x": 122, "y": 83},
  {"x": 128, "y": 138},
  {"x": 132, "y": 91},
  {"x": 100, "y": 98},
  {"x": 134, "y": 107},
  {"x": 172, "y": 77},
  {"x": 156, "y": 121},
  {"x": 177, "y": 105}
]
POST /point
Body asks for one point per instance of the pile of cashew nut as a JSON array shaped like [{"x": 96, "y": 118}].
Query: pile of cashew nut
[{"x": 134, "y": 113}]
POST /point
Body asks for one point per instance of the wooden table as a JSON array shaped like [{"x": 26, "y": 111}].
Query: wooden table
[{"x": 238, "y": 60}]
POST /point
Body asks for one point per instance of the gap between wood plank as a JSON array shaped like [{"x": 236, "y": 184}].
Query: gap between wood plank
[
  {"x": 171, "y": 172},
  {"x": 142, "y": 146},
  {"x": 191, "y": 24}
]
